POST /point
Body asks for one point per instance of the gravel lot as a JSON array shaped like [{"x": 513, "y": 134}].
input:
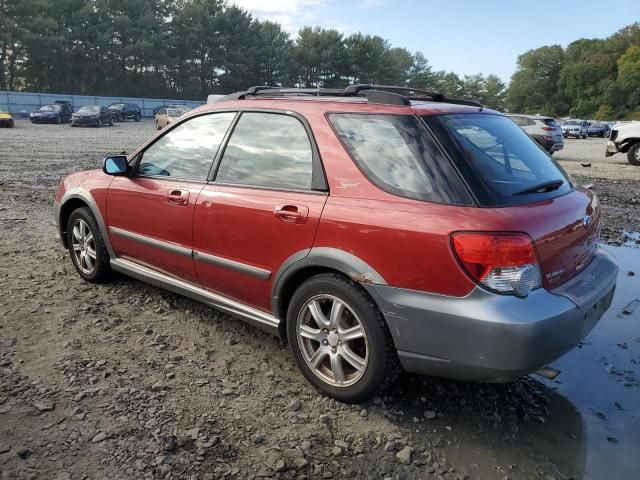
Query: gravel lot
[{"x": 127, "y": 381}]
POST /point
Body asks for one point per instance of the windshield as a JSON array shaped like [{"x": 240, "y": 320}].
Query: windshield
[
  {"x": 500, "y": 162},
  {"x": 49, "y": 108},
  {"x": 89, "y": 109},
  {"x": 175, "y": 113},
  {"x": 116, "y": 105}
]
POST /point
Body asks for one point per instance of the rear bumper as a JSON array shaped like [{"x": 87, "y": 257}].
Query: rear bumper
[{"x": 495, "y": 338}]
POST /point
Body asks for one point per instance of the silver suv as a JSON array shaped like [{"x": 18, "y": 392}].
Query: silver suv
[
  {"x": 575, "y": 127},
  {"x": 544, "y": 130}
]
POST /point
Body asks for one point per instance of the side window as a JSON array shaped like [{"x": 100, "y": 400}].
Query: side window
[
  {"x": 520, "y": 121},
  {"x": 397, "y": 154},
  {"x": 187, "y": 151},
  {"x": 268, "y": 150}
]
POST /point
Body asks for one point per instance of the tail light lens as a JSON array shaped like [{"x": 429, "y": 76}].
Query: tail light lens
[
  {"x": 504, "y": 263},
  {"x": 548, "y": 129}
]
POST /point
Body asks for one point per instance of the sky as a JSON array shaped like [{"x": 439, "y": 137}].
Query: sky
[{"x": 465, "y": 37}]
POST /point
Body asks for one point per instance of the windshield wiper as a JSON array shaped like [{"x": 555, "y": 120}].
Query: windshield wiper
[{"x": 542, "y": 187}]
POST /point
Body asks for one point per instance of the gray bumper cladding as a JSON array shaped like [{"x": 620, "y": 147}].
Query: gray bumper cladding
[{"x": 495, "y": 338}]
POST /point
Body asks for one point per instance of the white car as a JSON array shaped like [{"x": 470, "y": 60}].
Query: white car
[
  {"x": 625, "y": 138},
  {"x": 544, "y": 130},
  {"x": 575, "y": 127}
]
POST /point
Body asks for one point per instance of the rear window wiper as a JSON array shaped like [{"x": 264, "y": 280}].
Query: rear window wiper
[{"x": 542, "y": 187}]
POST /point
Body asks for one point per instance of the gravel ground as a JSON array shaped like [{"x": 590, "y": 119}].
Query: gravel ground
[
  {"x": 616, "y": 182},
  {"x": 127, "y": 381}
]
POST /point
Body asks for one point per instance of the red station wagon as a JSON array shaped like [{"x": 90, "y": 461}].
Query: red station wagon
[{"x": 374, "y": 229}]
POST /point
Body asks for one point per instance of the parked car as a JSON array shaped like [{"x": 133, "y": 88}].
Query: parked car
[
  {"x": 65, "y": 104},
  {"x": 371, "y": 231},
  {"x": 544, "y": 130},
  {"x": 167, "y": 115},
  {"x": 6, "y": 120},
  {"x": 575, "y": 128},
  {"x": 94, "y": 115},
  {"x": 54, "y": 113},
  {"x": 598, "y": 129},
  {"x": 625, "y": 138},
  {"x": 122, "y": 111}
]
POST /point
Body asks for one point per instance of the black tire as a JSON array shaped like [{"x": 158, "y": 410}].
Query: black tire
[
  {"x": 382, "y": 367},
  {"x": 58, "y": 120},
  {"x": 137, "y": 117},
  {"x": 633, "y": 155},
  {"x": 102, "y": 268},
  {"x": 122, "y": 117},
  {"x": 110, "y": 121},
  {"x": 158, "y": 127},
  {"x": 99, "y": 123},
  {"x": 12, "y": 124}
]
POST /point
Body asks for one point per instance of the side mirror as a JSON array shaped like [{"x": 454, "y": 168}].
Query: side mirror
[{"x": 115, "y": 165}]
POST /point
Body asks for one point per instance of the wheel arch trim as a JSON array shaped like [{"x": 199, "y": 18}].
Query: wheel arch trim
[
  {"x": 85, "y": 196},
  {"x": 324, "y": 257}
]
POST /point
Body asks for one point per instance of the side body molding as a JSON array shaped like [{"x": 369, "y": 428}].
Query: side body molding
[
  {"x": 84, "y": 195},
  {"x": 327, "y": 257}
]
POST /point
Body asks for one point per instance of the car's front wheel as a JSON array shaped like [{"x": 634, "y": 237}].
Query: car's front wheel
[
  {"x": 86, "y": 246},
  {"x": 633, "y": 155},
  {"x": 339, "y": 339}
]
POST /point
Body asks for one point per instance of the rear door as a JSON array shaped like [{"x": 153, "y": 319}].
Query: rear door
[
  {"x": 263, "y": 206},
  {"x": 150, "y": 213}
]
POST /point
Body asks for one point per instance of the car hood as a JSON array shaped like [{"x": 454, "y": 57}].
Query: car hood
[{"x": 4, "y": 116}]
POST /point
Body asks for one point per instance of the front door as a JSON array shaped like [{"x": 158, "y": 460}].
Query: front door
[
  {"x": 263, "y": 206},
  {"x": 150, "y": 213}
]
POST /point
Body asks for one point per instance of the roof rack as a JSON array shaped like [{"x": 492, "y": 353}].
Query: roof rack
[{"x": 387, "y": 94}]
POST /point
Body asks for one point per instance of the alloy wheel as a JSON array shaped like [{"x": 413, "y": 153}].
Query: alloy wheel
[
  {"x": 636, "y": 154},
  {"x": 332, "y": 340},
  {"x": 84, "y": 246}
]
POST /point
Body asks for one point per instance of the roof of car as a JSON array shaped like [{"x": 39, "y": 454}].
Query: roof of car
[
  {"x": 309, "y": 104},
  {"x": 353, "y": 98},
  {"x": 532, "y": 117}
]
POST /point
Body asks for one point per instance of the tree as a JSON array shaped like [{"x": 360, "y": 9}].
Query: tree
[
  {"x": 534, "y": 85},
  {"x": 494, "y": 93}
]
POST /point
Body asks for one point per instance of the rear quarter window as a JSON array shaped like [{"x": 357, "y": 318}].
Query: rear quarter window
[{"x": 397, "y": 154}]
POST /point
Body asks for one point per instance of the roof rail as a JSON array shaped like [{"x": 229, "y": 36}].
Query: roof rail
[{"x": 387, "y": 94}]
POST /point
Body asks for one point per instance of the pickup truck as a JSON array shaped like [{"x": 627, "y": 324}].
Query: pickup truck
[{"x": 625, "y": 138}]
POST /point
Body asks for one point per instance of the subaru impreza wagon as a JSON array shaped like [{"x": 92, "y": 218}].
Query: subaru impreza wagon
[{"x": 373, "y": 229}]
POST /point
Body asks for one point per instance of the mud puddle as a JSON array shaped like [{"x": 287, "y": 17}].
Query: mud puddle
[{"x": 583, "y": 425}]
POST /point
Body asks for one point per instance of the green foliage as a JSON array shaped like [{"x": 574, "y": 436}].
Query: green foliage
[
  {"x": 190, "y": 48},
  {"x": 591, "y": 78}
]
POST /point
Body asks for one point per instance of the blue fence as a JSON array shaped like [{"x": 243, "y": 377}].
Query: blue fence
[{"x": 18, "y": 102}]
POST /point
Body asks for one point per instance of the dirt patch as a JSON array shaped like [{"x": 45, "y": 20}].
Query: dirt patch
[{"x": 127, "y": 381}]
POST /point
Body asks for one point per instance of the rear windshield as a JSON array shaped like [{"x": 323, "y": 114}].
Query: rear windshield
[
  {"x": 572, "y": 122},
  {"x": 398, "y": 155},
  {"x": 501, "y": 164},
  {"x": 550, "y": 122}
]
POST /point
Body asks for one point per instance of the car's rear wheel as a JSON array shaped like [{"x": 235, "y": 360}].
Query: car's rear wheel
[
  {"x": 86, "y": 246},
  {"x": 633, "y": 155},
  {"x": 339, "y": 339}
]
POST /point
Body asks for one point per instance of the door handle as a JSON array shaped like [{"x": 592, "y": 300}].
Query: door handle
[
  {"x": 178, "y": 197},
  {"x": 292, "y": 213}
]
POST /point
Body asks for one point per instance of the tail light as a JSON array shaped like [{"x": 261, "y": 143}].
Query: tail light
[
  {"x": 548, "y": 129},
  {"x": 504, "y": 263}
]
